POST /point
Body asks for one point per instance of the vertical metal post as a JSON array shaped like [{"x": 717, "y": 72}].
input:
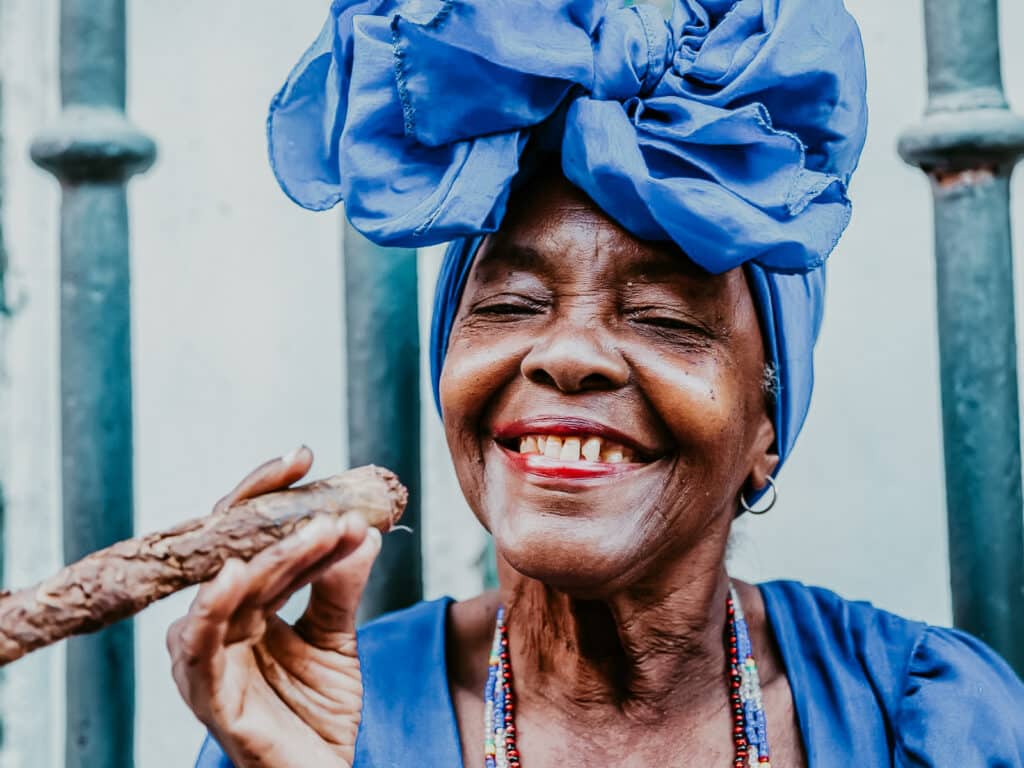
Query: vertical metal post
[
  {"x": 383, "y": 359},
  {"x": 93, "y": 150},
  {"x": 968, "y": 144}
]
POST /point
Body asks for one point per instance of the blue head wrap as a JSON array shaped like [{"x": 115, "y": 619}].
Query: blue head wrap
[{"x": 731, "y": 128}]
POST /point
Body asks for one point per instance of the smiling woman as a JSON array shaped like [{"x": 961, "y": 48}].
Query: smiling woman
[
  {"x": 640, "y": 210},
  {"x": 572, "y": 333}
]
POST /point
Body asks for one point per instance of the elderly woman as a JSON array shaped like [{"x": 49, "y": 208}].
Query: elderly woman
[{"x": 640, "y": 208}]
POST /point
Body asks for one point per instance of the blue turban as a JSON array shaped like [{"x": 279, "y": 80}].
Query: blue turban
[{"x": 731, "y": 128}]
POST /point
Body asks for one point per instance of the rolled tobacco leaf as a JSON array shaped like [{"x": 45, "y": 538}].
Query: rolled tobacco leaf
[{"x": 122, "y": 579}]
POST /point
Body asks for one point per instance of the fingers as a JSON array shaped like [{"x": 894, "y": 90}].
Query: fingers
[
  {"x": 352, "y": 534},
  {"x": 270, "y": 574},
  {"x": 330, "y": 617},
  {"x": 204, "y": 627},
  {"x": 273, "y": 475},
  {"x": 230, "y": 612},
  {"x": 232, "y": 609},
  {"x": 196, "y": 641},
  {"x": 319, "y": 545}
]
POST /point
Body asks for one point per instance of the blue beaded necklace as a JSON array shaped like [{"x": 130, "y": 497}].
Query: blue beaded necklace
[{"x": 750, "y": 726}]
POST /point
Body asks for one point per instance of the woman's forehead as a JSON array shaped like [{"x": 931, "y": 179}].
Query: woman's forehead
[
  {"x": 563, "y": 259},
  {"x": 554, "y": 229}
]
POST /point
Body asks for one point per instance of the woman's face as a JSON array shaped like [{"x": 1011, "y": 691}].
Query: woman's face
[{"x": 603, "y": 397}]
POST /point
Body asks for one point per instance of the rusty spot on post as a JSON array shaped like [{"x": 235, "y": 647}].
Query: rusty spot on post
[{"x": 948, "y": 179}]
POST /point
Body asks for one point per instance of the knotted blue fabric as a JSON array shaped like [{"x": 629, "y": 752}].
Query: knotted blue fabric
[{"x": 730, "y": 128}]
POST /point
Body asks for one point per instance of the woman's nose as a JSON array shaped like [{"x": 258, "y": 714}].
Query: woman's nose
[{"x": 575, "y": 359}]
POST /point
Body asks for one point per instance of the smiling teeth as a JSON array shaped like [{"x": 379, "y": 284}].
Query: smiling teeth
[
  {"x": 593, "y": 449},
  {"x": 553, "y": 447},
  {"x": 570, "y": 449},
  {"x": 612, "y": 456}
]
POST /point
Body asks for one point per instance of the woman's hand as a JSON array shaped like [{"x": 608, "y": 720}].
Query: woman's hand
[{"x": 270, "y": 693}]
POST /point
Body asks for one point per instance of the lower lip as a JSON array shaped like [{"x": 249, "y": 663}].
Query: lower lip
[{"x": 542, "y": 466}]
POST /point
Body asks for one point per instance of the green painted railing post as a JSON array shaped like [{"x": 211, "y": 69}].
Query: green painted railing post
[
  {"x": 383, "y": 359},
  {"x": 93, "y": 149},
  {"x": 968, "y": 144}
]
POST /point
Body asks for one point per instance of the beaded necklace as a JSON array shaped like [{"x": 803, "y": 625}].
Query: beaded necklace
[{"x": 750, "y": 727}]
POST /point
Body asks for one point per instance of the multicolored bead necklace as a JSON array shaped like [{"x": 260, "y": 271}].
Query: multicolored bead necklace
[{"x": 750, "y": 726}]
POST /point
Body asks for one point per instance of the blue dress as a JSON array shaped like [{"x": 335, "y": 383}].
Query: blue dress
[{"x": 870, "y": 689}]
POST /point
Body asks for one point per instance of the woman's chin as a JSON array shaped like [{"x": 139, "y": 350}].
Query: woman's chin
[{"x": 570, "y": 558}]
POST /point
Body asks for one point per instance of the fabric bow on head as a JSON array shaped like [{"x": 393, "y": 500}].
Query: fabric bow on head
[{"x": 732, "y": 128}]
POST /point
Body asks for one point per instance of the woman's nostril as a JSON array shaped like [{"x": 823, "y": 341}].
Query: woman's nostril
[
  {"x": 596, "y": 381},
  {"x": 542, "y": 377},
  {"x": 570, "y": 382}
]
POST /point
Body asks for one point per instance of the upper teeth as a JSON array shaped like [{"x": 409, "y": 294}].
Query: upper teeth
[{"x": 589, "y": 448}]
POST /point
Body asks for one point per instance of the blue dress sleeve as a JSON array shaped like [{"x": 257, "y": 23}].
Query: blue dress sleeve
[
  {"x": 962, "y": 705},
  {"x": 211, "y": 756}
]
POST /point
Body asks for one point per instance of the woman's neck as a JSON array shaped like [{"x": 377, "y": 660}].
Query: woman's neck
[{"x": 648, "y": 652}]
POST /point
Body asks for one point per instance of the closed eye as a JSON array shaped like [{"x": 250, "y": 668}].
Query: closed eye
[
  {"x": 505, "y": 309},
  {"x": 671, "y": 325},
  {"x": 665, "y": 322},
  {"x": 507, "y": 306},
  {"x": 661, "y": 319}
]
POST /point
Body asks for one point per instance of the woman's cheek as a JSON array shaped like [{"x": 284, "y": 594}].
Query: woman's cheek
[
  {"x": 698, "y": 401},
  {"x": 475, "y": 369}
]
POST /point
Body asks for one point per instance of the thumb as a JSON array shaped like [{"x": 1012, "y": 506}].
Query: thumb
[{"x": 330, "y": 618}]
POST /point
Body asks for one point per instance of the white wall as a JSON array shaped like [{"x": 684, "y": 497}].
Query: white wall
[
  {"x": 236, "y": 292},
  {"x": 238, "y": 337},
  {"x": 28, "y": 46}
]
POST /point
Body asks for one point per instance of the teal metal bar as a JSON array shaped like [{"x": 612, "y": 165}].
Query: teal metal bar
[
  {"x": 93, "y": 150},
  {"x": 968, "y": 144},
  {"x": 383, "y": 370}
]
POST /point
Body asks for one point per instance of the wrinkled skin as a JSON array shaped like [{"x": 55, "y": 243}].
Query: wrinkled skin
[
  {"x": 564, "y": 315},
  {"x": 615, "y": 586}
]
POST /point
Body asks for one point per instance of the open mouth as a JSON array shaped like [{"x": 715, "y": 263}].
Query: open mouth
[
  {"x": 571, "y": 448},
  {"x": 589, "y": 448}
]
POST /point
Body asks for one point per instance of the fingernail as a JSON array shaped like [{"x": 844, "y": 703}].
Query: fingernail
[
  {"x": 290, "y": 457},
  {"x": 375, "y": 536}
]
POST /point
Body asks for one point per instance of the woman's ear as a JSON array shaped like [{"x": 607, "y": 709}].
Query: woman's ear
[{"x": 765, "y": 459}]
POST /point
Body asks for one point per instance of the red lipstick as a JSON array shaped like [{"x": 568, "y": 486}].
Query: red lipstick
[
  {"x": 569, "y": 426},
  {"x": 542, "y": 466}
]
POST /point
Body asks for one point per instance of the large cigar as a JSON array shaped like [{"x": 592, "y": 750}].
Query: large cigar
[{"x": 122, "y": 579}]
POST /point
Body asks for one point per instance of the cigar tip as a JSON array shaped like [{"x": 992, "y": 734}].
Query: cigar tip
[{"x": 398, "y": 493}]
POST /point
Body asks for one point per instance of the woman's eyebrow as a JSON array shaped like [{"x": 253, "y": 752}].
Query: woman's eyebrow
[
  {"x": 663, "y": 267},
  {"x": 515, "y": 257}
]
